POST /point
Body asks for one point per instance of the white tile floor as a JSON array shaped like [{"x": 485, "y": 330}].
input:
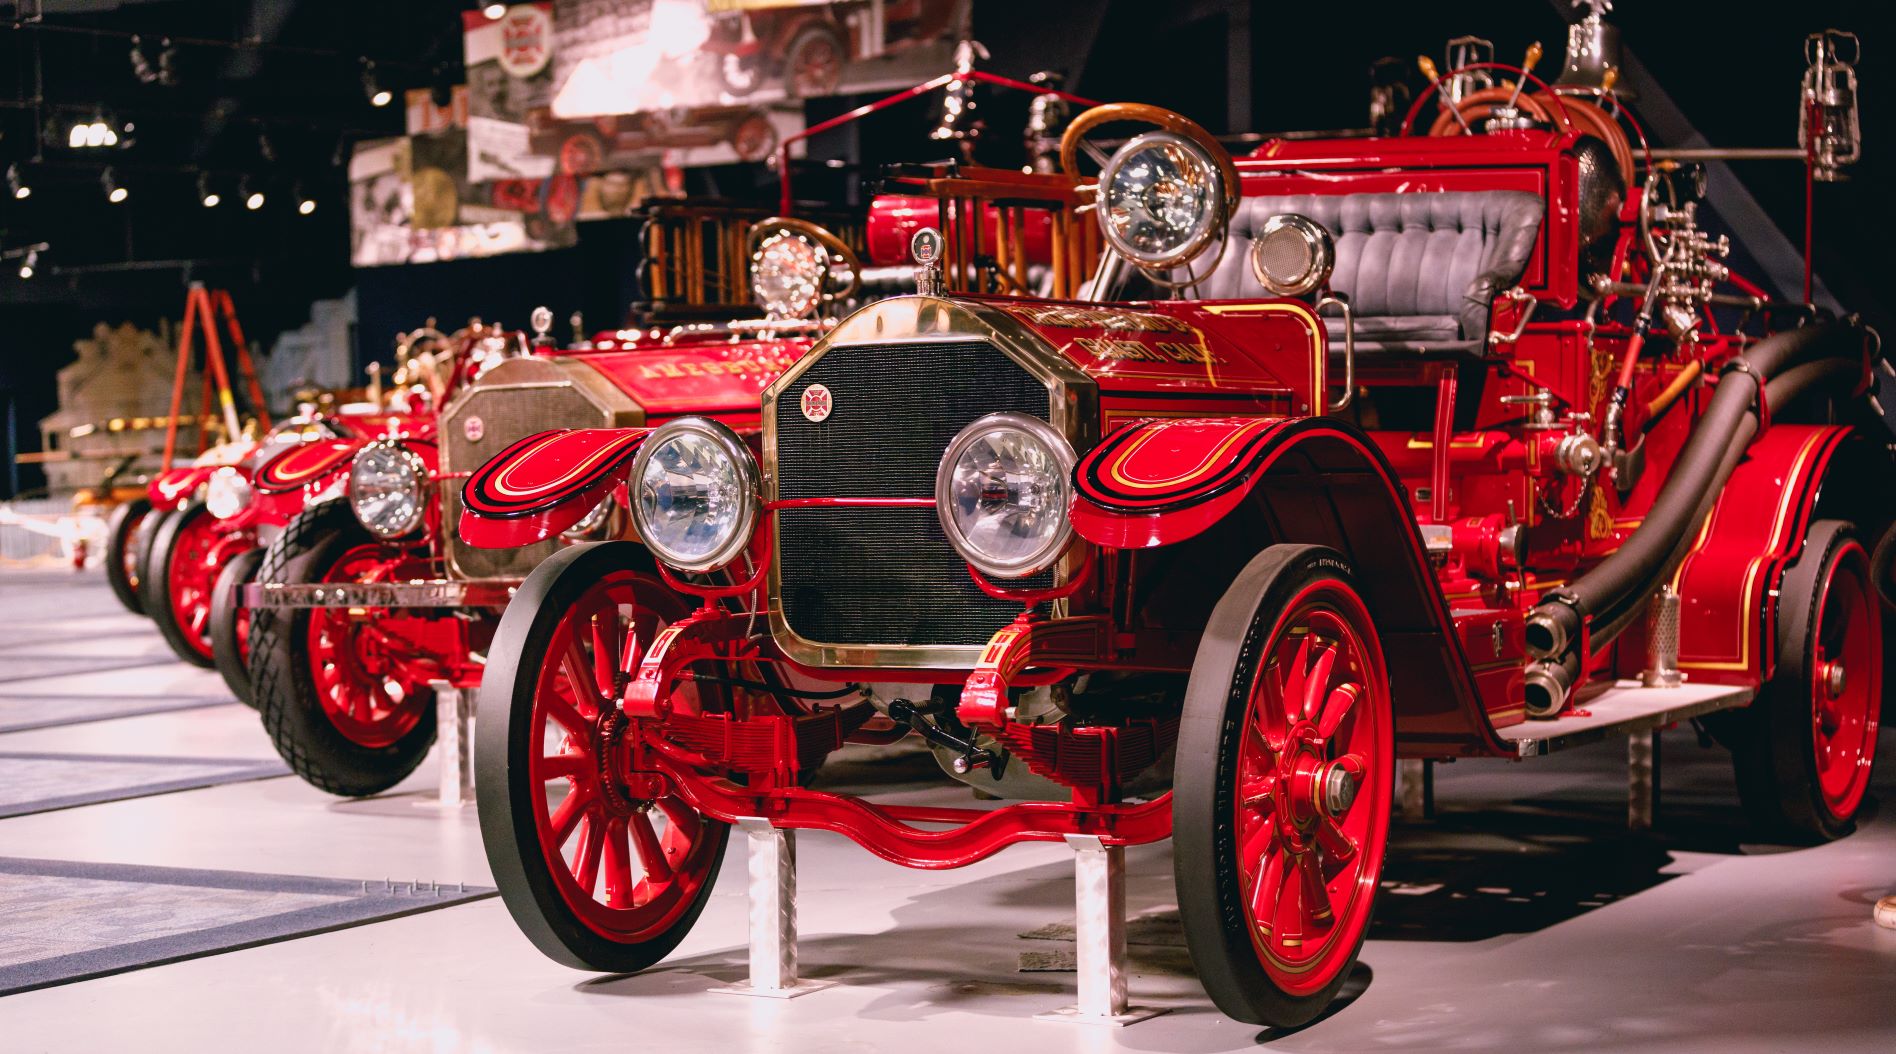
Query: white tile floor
[{"x": 1525, "y": 921}]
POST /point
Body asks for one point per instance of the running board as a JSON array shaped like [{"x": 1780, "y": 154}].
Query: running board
[{"x": 1625, "y": 708}]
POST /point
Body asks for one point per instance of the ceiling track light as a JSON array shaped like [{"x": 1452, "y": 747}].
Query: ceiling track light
[
  {"x": 92, "y": 135},
  {"x": 17, "y": 185},
  {"x": 141, "y": 66},
  {"x": 114, "y": 193},
  {"x": 372, "y": 86},
  {"x": 494, "y": 12},
  {"x": 252, "y": 199},
  {"x": 304, "y": 203},
  {"x": 29, "y": 265},
  {"x": 206, "y": 193}
]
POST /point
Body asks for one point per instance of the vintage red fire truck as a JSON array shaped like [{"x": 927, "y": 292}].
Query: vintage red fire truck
[
  {"x": 1344, "y": 451},
  {"x": 369, "y": 601}
]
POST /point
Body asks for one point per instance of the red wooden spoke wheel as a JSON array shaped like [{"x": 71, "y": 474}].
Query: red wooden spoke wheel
[
  {"x": 367, "y": 694},
  {"x": 1284, "y": 782},
  {"x": 1803, "y": 750},
  {"x": 602, "y": 867},
  {"x": 814, "y": 64},
  {"x": 186, "y": 556},
  {"x": 1845, "y": 674},
  {"x": 122, "y": 531}
]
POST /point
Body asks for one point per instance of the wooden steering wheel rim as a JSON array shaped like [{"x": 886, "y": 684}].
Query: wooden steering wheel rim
[
  {"x": 1153, "y": 115},
  {"x": 820, "y": 235}
]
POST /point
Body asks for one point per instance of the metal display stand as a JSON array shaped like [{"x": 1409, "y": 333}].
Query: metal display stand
[
  {"x": 773, "y": 914},
  {"x": 1099, "y": 934},
  {"x": 454, "y": 742}
]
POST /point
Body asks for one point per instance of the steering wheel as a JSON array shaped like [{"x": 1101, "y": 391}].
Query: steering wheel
[
  {"x": 1074, "y": 140},
  {"x": 837, "y": 253}
]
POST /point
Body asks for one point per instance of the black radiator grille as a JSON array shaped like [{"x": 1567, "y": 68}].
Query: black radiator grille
[{"x": 888, "y": 575}]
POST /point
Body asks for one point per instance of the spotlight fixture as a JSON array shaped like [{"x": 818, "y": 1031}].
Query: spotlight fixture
[
  {"x": 16, "y": 183},
  {"x": 30, "y": 263},
  {"x": 253, "y": 199},
  {"x": 304, "y": 203},
  {"x": 372, "y": 86},
  {"x": 495, "y": 12},
  {"x": 266, "y": 149},
  {"x": 206, "y": 193},
  {"x": 93, "y": 134},
  {"x": 168, "y": 64},
  {"x": 113, "y": 192}
]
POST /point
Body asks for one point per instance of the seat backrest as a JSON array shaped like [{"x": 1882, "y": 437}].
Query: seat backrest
[{"x": 1433, "y": 253}]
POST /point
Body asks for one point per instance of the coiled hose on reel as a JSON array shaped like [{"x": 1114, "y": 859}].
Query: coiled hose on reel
[{"x": 1787, "y": 366}]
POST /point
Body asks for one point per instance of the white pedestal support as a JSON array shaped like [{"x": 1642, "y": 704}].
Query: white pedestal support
[
  {"x": 454, "y": 744},
  {"x": 1642, "y": 779},
  {"x": 1099, "y": 932},
  {"x": 773, "y": 913},
  {"x": 1415, "y": 789}
]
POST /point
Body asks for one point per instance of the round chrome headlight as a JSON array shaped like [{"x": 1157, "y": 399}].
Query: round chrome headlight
[
  {"x": 227, "y": 493},
  {"x": 694, "y": 494},
  {"x": 1002, "y": 493},
  {"x": 788, "y": 272},
  {"x": 387, "y": 486},
  {"x": 1160, "y": 200},
  {"x": 1293, "y": 255}
]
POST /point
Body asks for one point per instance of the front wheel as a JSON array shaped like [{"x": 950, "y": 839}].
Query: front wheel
[
  {"x": 230, "y": 624},
  {"x": 1803, "y": 750},
  {"x": 1280, "y": 813},
  {"x": 186, "y": 556},
  {"x": 598, "y": 873},
  {"x": 121, "y": 563},
  {"x": 340, "y": 708}
]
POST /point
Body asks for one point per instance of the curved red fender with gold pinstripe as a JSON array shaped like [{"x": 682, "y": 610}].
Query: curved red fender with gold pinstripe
[
  {"x": 168, "y": 490},
  {"x": 543, "y": 484},
  {"x": 1728, "y": 580},
  {"x": 1160, "y": 482},
  {"x": 305, "y": 464}
]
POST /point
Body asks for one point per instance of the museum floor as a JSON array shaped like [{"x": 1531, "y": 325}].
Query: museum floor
[{"x": 1522, "y": 917}]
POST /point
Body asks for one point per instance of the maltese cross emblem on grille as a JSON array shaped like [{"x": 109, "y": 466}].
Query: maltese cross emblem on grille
[{"x": 816, "y": 403}]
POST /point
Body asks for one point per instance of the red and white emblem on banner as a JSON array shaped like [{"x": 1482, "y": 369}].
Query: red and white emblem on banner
[
  {"x": 526, "y": 40},
  {"x": 816, "y": 403}
]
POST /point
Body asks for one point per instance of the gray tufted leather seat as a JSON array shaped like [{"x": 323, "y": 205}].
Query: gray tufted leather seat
[{"x": 1421, "y": 270}]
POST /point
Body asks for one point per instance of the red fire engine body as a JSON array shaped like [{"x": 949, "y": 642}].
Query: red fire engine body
[{"x": 1252, "y": 547}]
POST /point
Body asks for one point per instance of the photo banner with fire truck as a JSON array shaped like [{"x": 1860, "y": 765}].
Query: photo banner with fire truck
[{"x": 583, "y": 109}]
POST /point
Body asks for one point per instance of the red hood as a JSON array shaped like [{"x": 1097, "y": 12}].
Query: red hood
[{"x": 713, "y": 376}]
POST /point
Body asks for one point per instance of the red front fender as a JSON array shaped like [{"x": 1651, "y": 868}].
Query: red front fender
[
  {"x": 544, "y": 484},
  {"x": 174, "y": 487}
]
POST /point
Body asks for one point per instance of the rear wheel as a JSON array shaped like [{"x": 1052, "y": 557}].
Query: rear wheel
[
  {"x": 230, "y": 624},
  {"x": 340, "y": 711},
  {"x": 142, "y": 541},
  {"x": 813, "y": 64},
  {"x": 121, "y": 564},
  {"x": 1286, "y": 754},
  {"x": 186, "y": 556},
  {"x": 601, "y": 874},
  {"x": 1803, "y": 751}
]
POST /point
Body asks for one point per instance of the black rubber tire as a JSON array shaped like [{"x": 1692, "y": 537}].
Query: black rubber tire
[
  {"x": 1204, "y": 853},
  {"x": 506, "y": 805},
  {"x": 142, "y": 540},
  {"x": 155, "y": 584},
  {"x": 279, "y": 668},
  {"x": 227, "y": 650},
  {"x": 1772, "y": 751},
  {"x": 121, "y": 532}
]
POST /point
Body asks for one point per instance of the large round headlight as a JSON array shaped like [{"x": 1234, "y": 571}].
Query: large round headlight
[
  {"x": 694, "y": 494},
  {"x": 1293, "y": 255},
  {"x": 1002, "y": 493},
  {"x": 1160, "y": 199},
  {"x": 387, "y": 484},
  {"x": 787, "y": 275},
  {"x": 227, "y": 493}
]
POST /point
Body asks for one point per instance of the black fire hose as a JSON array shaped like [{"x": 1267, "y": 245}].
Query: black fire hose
[{"x": 1613, "y": 593}]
